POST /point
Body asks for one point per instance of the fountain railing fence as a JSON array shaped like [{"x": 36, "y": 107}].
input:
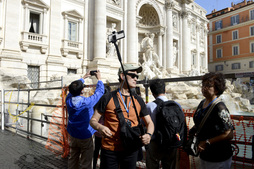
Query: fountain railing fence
[{"x": 49, "y": 127}]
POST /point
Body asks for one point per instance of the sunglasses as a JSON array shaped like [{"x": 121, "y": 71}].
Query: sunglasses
[{"x": 132, "y": 75}]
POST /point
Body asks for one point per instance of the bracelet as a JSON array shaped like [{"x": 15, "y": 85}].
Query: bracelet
[
  {"x": 208, "y": 142},
  {"x": 149, "y": 134}
]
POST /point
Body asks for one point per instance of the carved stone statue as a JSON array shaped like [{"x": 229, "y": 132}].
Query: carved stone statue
[
  {"x": 110, "y": 48},
  {"x": 175, "y": 21},
  {"x": 175, "y": 52},
  {"x": 151, "y": 61},
  {"x": 117, "y": 2}
]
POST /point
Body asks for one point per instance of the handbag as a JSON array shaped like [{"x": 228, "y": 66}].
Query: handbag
[
  {"x": 191, "y": 146},
  {"x": 130, "y": 136}
]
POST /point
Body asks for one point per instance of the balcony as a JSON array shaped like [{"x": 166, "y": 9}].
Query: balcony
[
  {"x": 71, "y": 47},
  {"x": 34, "y": 39}
]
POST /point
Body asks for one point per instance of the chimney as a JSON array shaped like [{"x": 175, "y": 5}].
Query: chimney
[
  {"x": 232, "y": 4},
  {"x": 245, "y": 2}
]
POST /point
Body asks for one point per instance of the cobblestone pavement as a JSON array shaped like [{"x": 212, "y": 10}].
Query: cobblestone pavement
[{"x": 17, "y": 152}]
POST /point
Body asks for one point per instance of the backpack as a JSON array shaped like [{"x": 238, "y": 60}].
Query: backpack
[{"x": 170, "y": 129}]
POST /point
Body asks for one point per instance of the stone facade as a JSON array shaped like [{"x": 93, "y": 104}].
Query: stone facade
[{"x": 57, "y": 37}]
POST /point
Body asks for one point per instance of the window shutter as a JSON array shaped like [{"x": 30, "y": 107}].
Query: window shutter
[
  {"x": 252, "y": 14},
  {"x": 237, "y": 19}
]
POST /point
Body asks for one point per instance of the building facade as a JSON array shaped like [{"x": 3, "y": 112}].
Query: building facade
[
  {"x": 46, "y": 38},
  {"x": 231, "y": 38}
]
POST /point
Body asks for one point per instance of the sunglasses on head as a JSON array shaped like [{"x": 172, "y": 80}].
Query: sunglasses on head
[{"x": 132, "y": 75}]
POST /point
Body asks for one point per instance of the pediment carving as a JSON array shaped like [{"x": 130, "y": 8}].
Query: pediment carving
[
  {"x": 73, "y": 13},
  {"x": 37, "y": 3}
]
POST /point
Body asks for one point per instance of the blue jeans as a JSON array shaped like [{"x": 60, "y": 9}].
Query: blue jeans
[{"x": 116, "y": 159}]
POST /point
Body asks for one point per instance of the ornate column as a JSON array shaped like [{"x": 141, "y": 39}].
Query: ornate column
[
  {"x": 100, "y": 29},
  {"x": 169, "y": 35},
  {"x": 206, "y": 50},
  {"x": 198, "y": 63},
  {"x": 186, "y": 55},
  {"x": 160, "y": 47},
  {"x": 132, "y": 54}
]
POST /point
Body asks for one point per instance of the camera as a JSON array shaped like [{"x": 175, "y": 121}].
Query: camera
[
  {"x": 116, "y": 36},
  {"x": 92, "y": 72}
]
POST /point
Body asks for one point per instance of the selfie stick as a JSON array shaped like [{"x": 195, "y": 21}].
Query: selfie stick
[{"x": 114, "y": 40}]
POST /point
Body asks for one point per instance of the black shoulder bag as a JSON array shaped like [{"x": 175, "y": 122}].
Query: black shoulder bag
[{"x": 130, "y": 136}]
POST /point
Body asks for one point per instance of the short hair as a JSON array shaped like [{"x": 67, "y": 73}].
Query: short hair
[
  {"x": 157, "y": 86},
  {"x": 107, "y": 89},
  {"x": 76, "y": 87},
  {"x": 216, "y": 80}
]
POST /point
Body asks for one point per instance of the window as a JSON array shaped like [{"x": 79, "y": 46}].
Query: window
[
  {"x": 236, "y": 66},
  {"x": 34, "y": 14},
  {"x": 252, "y": 47},
  {"x": 252, "y": 31},
  {"x": 72, "y": 31},
  {"x": 235, "y": 50},
  {"x": 34, "y": 23},
  {"x": 218, "y": 53},
  {"x": 72, "y": 71},
  {"x": 235, "y": 35},
  {"x": 235, "y": 20},
  {"x": 33, "y": 75},
  {"x": 72, "y": 37},
  {"x": 193, "y": 58},
  {"x": 218, "y": 39},
  {"x": 251, "y": 14},
  {"x": 193, "y": 28},
  {"x": 251, "y": 64},
  {"x": 218, "y": 25},
  {"x": 219, "y": 67}
]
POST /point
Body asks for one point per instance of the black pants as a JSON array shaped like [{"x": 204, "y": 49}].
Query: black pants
[
  {"x": 116, "y": 159},
  {"x": 97, "y": 147}
]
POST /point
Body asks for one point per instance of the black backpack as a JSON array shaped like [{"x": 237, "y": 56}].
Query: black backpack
[{"x": 170, "y": 129}]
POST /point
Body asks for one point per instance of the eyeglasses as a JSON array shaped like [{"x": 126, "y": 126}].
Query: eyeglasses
[{"x": 132, "y": 75}]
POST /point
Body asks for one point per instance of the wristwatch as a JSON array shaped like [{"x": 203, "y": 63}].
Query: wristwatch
[
  {"x": 207, "y": 142},
  {"x": 149, "y": 134}
]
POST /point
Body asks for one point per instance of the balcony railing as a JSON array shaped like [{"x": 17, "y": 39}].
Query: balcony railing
[
  {"x": 34, "y": 39},
  {"x": 242, "y": 20},
  {"x": 71, "y": 46}
]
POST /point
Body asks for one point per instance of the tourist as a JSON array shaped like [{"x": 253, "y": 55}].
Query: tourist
[
  {"x": 156, "y": 152},
  {"x": 97, "y": 136},
  {"x": 215, "y": 135},
  {"x": 80, "y": 110},
  {"x": 113, "y": 153}
]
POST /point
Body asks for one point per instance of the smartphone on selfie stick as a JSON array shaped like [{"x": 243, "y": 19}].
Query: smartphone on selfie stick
[{"x": 113, "y": 38}]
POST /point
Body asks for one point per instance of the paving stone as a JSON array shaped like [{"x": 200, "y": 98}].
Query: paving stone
[{"x": 18, "y": 152}]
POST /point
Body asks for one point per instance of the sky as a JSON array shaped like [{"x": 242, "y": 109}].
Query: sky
[{"x": 210, "y": 5}]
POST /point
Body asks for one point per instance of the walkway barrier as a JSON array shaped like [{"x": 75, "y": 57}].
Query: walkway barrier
[
  {"x": 58, "y": 136},
  {"x": 242, "y": 144}
]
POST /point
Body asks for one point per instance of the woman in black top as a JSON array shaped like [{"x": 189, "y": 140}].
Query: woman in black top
[{"x": 214, "y": 147}]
